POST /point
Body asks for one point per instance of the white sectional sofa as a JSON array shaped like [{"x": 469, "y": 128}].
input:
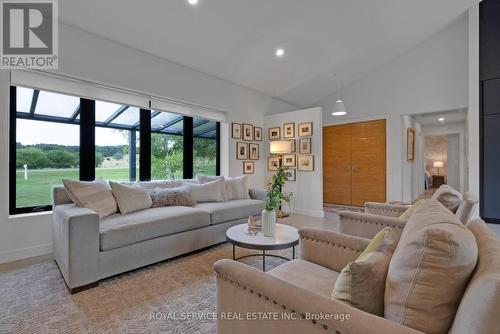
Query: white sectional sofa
[{"x": 88, "y": 249}]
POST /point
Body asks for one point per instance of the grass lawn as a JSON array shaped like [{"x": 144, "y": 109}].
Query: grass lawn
[{"x": 37, "y": 189}]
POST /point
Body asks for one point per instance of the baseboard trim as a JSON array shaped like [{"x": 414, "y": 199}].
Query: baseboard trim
[
  {"x": 312, "y": 213},
  {"x": 25, "y": 253}
]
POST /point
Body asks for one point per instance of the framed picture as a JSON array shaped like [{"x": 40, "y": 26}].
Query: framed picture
[
  {"x": 247, "y": 132},
  {"x": 292, "y": 142},
  {"x": 253, "y": 153},
  {"x": 289, "y": 130},
  {"x": 305, "y": 129},
  {"x": 248, "y": 167},
  {"x": 291, "y": 174},
  {"x": 410, "y": 144},
  {"x": 241, "y": 151},
  {"x": 274, "y": 133},
  {"x": 306, "y": 162},
  {"x": 236, "y": 130},
  {"x": 273, "y": 163},
  {"x": 257, "y": 134},
  {"x": 289, "y": 160},
  {"x": 305, "y": 146}
]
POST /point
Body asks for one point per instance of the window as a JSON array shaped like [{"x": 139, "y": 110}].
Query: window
[
  {"x": 167, "y": 142},
  {"x": 49, "y": 142},
  {"x": 46, "y": 151},
  {"x": 204, "y": 147},
  {"x": 116, "y": 142}
]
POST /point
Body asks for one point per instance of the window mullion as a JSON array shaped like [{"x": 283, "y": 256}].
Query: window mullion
[{"x": 87, "y": 139}]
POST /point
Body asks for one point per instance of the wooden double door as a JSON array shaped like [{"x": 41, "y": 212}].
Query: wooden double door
[{"x": 354, "y": 163}]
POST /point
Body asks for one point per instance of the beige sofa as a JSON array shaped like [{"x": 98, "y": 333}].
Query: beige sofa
[
  {"x": 379, "y": 215},
  {"x": 302, "y": 287},
  {"x": 88, "y": 249}
]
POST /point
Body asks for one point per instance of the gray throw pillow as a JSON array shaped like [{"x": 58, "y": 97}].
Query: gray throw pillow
[
  {"x": 180, "y": 196},
  {"x": 130, "y": 198}
]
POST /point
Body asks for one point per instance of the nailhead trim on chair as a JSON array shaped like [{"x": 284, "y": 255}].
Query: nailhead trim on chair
[
  {"x": 371, "y": 222},
  {"x": 260, "y": 295},
  {"x": 331, "y": 243}
]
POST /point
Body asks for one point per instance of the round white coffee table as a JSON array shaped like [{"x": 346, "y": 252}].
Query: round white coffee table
[{"x": 285, "y": 237}]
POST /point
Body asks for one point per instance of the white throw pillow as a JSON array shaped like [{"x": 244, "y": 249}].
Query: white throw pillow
[
  {"x": 202, "y": 179},
  {"x": 95, "y": 195},
  {"x": 212, "y": 191},
  {"x": 237, "y": 187},
  {"x": 130, "y": 198}
]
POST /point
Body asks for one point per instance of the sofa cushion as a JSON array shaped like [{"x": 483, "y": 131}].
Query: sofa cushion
[
  {"x": 430, "y": 269},
  {"x": 449, "y": 197},
  {"x": 121, "y": 230},
  {"x": 180, "y": 196},
  {"x": 307, "y": 275},
  {"x": 221, "y": 212},
  {"x": 362, "y": 282},
  {"x": 478, "y": 310}
]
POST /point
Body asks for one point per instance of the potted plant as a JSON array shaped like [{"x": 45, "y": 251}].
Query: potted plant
[{"x": 273, "y": 202}]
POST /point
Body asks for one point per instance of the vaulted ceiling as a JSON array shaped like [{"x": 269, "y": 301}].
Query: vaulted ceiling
[{"x": 327, "y": 42}]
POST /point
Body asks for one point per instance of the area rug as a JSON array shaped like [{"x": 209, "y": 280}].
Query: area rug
[{"x": 34, "y": 299}]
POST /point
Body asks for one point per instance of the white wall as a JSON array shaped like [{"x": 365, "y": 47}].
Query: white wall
[
  {"x": 86, "y": 56},
  {"x": 412, "y": 170},
  {"x": 308, "y": 187},
  {"x": 433, "y": 76}
]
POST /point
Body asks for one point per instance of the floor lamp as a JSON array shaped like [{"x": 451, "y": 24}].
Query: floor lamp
[{"x": 279, "y": 148}]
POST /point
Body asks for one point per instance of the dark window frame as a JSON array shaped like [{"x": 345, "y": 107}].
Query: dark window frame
[{"x": 87, "y": 124}]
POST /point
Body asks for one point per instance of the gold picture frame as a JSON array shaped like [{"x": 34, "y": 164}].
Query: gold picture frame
[
  {"x": 305, "y": 129},
  {"x": 291, "y": 174},
  {"x": 410, "y": 144},
  {"x": 241, "y": 151},
  {"x": 306, "y": 162},
  {"x": 305, "y": 146},
  {"x": 253, "y": 151},
  {"x": 248, "y": 167},
  {"x": 274, "y": 133},
  {"x": 289, "y": 130},
  {"x": 236, "y": 130},
  {"x": 247, "y": 132},
  {"x": 273, "y": 163},
  {"x": 289, "y": 160},
  {"x": 257, "y": 133}
]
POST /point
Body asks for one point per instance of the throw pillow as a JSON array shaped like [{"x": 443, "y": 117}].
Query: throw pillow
[
  {"x": 180, "y": 196},
  {"x": 430, "y": 269},
  {"x": 95, "y": 195},
  {"x": 406, "y": 215},
  {"x": 237, "y": 187},
  {"x": 212, "y": 191},
  {"x": 202, "y": 179},
  {"x": 449, "y": 197},
  {"x": 130, "y": 198},
  {"x": 362, "y": 282}
]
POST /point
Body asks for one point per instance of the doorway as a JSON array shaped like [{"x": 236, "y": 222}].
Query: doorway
[
  {"x": 354, "y": 163},
  {"x": 444, "y": 149}
]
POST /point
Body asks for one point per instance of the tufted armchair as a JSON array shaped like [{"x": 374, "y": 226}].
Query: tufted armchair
[{"x": 380, "y": 215}]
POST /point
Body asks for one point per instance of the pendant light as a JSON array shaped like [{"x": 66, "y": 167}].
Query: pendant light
[{"x": 339, "y": 107}]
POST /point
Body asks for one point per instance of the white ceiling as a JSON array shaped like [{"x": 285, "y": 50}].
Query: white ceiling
[
  {"x": 327, "y": 42},
  {"x": 450, "y": 116}
]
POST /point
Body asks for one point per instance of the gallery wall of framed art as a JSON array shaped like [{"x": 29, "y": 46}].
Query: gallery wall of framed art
[{"x": 247, "y": 139}]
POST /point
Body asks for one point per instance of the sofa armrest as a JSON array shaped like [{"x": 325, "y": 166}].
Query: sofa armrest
[
  {"x": 385, "y": 209},
  {"x": 244, "y": 293},
  {"x": 330, "y": 249},
  {"x": 367, "y": 225},
  {"x": 259, "y": 194},
  {"x": 76, "y": 244}
]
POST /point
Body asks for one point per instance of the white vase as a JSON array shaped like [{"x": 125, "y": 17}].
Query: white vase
[{"x": 268, "y": 223}]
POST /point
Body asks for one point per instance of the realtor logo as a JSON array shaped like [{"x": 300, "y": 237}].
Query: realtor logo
[{"x": 29, "y": 34}]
